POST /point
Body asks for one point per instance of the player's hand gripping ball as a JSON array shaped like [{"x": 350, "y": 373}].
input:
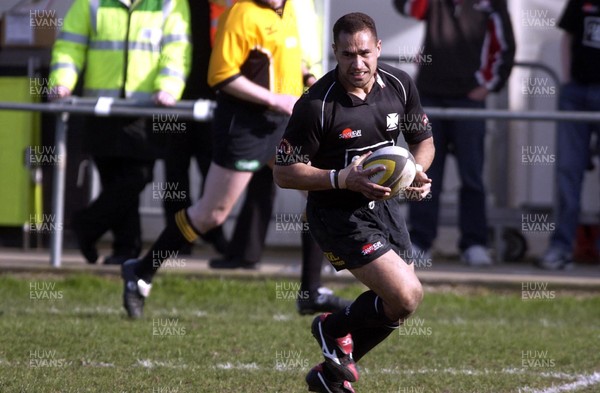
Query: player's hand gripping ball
[{"x": 400, "y": 168}]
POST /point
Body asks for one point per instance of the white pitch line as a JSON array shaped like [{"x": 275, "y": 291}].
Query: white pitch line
[
  {"x": 106, "y": 310},
  {"x": 451, "y": 371},
  {"x": 472, "y": 372},
  {"x": 149, "y": 363},
  {"x": 581, "y": 382},
  {"x": 282, "y": 317},
  {"x": 238, "y": 366},
  {"x": 578, "y": 381}
]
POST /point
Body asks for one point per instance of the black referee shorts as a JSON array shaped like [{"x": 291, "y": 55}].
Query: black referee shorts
[
  {"x": 351, "y": 238},
  {"x": 245, "y": 138}
]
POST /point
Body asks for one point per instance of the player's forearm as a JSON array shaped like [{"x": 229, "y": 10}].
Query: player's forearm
[
  {"x": 423, "y": 152},
  {"x": 302, "y": 177},
  {"x": 244, "y": 89}
]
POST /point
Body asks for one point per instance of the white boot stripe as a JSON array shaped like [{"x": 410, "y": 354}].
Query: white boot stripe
[{"x": 324, "y": 383}]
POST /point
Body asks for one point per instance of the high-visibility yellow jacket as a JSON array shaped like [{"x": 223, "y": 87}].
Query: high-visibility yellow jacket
[{"x": 127, "y": 51}]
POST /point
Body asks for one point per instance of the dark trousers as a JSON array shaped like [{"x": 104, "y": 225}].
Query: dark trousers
[
  {"x": 248, "y": 241},
  {"x": 117, "y": 207},
  {"x": 573, "y": 157},
  {"x": 195, "y": 143},
  {"x": 465, "y": 140}
]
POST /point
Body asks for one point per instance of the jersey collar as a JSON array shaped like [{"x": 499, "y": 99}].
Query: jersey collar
[{"x": 351, "y": 99}]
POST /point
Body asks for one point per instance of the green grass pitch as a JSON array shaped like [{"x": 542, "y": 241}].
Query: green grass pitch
[{"x": 68, "y": 333}]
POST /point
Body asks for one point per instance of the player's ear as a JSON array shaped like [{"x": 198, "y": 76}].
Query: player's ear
[
  {"x": 378, "y": 46},
  {"x": 334, "y": 48}
]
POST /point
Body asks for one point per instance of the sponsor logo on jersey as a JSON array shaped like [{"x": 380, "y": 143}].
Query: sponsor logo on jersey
[
  {"x": 285, "y": 147},
  {"x": 392, "y": 120},
  {"x": 371, "y": 248},
  {"x": 349, "y": 133},
  {"x": 287, "y": 154},
  {"x": 334, "y": 259}
]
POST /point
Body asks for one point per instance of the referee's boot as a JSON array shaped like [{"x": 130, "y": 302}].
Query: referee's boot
[
  {"x": 135, "y": 290},
  {"x": 319, "y": 301},
  {"x": 217, "y": 239},
  {"x": 318, "y": 382},
  {"x": 336, "y": 351}
]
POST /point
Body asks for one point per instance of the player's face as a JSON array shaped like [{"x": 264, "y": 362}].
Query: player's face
[{"x": 356, "y": 55}]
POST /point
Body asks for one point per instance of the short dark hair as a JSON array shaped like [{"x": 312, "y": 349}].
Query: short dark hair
[{"x": 353, "y": 23}]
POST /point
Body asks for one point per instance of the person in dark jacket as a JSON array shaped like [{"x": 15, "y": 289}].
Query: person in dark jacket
[{"x": 468, "y": 52}]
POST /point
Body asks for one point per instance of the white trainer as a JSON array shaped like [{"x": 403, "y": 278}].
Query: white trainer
[{"x": 476, "y": 255}]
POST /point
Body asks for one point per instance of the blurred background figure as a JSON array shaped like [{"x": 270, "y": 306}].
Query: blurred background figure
[
  {"x": 255, "y": 67},
  {"x": 580, "y": 49},
  {"x": 248, "y": 240},
  {"x": 195, "y": 143},
  {"x": 469, "y": 47},
  {"x": 126, "y": 49}
]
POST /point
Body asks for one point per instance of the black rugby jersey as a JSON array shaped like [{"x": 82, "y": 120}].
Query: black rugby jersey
[
  {"x": 330, "y": 126},
  {"x": 582, "y": 19}
]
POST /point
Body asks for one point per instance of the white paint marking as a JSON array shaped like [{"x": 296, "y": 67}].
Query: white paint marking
[
  {"x": 92, "y": 363},
  {"x": 281, "y": 317},
  {"x": 472, "y": 372},
  {"x": 237, "y": 366},
  {"x": 581, "y": 382},
  {"x": 147, "y": 363}
]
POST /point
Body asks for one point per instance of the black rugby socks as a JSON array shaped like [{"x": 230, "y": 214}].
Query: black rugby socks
[
  {"x": 366, "y": 321},
  {"x": 368, "y": 338},
  {"x": 365, "y": 312},
  {"x": 175, "y": 235}
]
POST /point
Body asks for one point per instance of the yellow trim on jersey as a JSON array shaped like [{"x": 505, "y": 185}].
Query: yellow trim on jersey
[{"x": 246, "y": 30}]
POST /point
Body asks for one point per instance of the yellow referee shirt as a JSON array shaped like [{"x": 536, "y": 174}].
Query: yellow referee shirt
[{"x": 255, "y": 41}]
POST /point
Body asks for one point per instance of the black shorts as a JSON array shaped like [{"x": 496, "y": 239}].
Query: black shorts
[
  {"x": 245, "y": 138},
  {"x": 351, "y": 238}
]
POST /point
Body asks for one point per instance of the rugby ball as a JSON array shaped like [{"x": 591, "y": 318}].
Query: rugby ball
[{"x": 400, "y": 168}]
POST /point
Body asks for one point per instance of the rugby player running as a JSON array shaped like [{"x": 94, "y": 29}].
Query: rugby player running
[{"x": 357, "y": 227}]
